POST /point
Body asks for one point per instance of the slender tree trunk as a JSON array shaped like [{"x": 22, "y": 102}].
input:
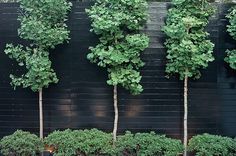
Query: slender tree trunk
[
  {"x": 116, "y": 114},
  {"x": 185, "y": 115},
  {"x": 41, "y": 113}
]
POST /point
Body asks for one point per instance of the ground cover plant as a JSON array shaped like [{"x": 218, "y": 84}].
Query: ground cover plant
[
  {"x": 80, "y": 142},
  {"x": 212, "y": 145},
  {"x": 117, "y": 23},
  {"x": 94, "y": 142},
  {"x": 188, "y": 49},
  {"x": 148, "y": 144},
  {"x": 42, "y": 24},
  {"x": 21, "y": 143},
  {"x": 97, "y": 143}
]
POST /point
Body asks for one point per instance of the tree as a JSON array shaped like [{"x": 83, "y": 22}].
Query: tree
[
  {"x": 42, "y": 24},
  {"x": 188, "y": 49},
  {"x": 231, "y": 28},
  {"x": 117, "y": 23}
]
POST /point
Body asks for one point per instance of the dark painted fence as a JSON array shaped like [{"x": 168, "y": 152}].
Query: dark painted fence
[{"x": 82, "y": 99}]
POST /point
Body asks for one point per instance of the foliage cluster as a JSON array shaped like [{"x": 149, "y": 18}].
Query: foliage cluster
[
  {"x": 80, "y": 142},
  {"x": 148, "y": 144},
  {"x": 21, "y": 143},
  {"x": 95, "y": 142},
  {"x": 231, "y": 28},
  {"x": 212, "y": 145},
  {"x": 42, "y": 24},
  {"x": 188, "y": 49},
  {"x": 222, "y": 1},
  {"x": 117, "y": 22}
]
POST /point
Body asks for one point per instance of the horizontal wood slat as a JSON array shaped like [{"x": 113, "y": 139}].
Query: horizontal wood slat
[{"x": 82, "y": 99}]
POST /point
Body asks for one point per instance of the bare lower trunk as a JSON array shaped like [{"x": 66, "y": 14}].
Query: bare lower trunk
[
  {"x": 185, "y": 115},
  {"x": 116, "y": 114},
  {"x": 41, "y": 113}
]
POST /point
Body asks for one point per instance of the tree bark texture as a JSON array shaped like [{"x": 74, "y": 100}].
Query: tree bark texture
[
  {"x": 185, "y": 115},
  {"x": 116, "y": 113},
  {"x": 41, "y": 113}
]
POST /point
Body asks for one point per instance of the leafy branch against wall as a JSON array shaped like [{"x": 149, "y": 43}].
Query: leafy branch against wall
[
  {"x": 187, "y": 45},
  {"x": 42, "y": 23},
  {"x": 231, "y": 28},
  {"x": 118, "y": 23}
]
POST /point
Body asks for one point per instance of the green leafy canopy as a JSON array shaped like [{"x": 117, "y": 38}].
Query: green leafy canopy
[
  {"x": 43, "y": 25},
  {"x": 231, "y": 28},
  {"x": 188, "y": 49},
  {"x": 117, "y": 22}
]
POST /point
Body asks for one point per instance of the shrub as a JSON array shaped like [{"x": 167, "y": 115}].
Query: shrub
[
  {"x": 212, "y": 145},
  {"x": 62, "y": 142},
  {"x": 126, "y": 144},
  {"x": 97, "y": 143},
  {"x": 21, "y": 143},
  {"x": 94, "y": 142},
  {"x": 148, "y": 144},
  {"x": 80, "y": 142}
]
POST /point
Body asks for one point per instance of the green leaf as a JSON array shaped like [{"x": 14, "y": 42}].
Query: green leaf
[
  {"x": 117, "y": 24},
  {"x": 43, "y": 24},
  {"x": 188, "y": 48}
]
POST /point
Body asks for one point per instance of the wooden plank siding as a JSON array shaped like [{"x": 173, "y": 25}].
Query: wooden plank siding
[{"x": 82, "y": 99}]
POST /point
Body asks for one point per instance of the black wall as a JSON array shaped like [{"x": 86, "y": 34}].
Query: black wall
[{"x": 82, "y": 99}]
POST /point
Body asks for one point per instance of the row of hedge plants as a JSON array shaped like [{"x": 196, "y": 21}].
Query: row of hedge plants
[{"x": 98, "y": 143}]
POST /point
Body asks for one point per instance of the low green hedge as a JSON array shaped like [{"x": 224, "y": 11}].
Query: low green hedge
[
  {"x": 212, "y": 145},
  {"x": 21, "y": 144},
  {"x": 147, "y": 144},
  {"x": 97, "y": 143},
  {"x": 80, "y": 142},
  {"x": 90, "y": 143}
]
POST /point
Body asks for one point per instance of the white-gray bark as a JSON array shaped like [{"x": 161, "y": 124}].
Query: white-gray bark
[
  {"x": 41, "y": 113},
  {"x": 185, "y": 115},
  {"x": 116, "y": 114}
]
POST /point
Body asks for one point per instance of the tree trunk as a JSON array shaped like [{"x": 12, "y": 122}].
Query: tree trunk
[
  {"x": 41, "y": 113},
  {"x": 185, "y": 115},
  {"x": 116, "y": 114}
]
